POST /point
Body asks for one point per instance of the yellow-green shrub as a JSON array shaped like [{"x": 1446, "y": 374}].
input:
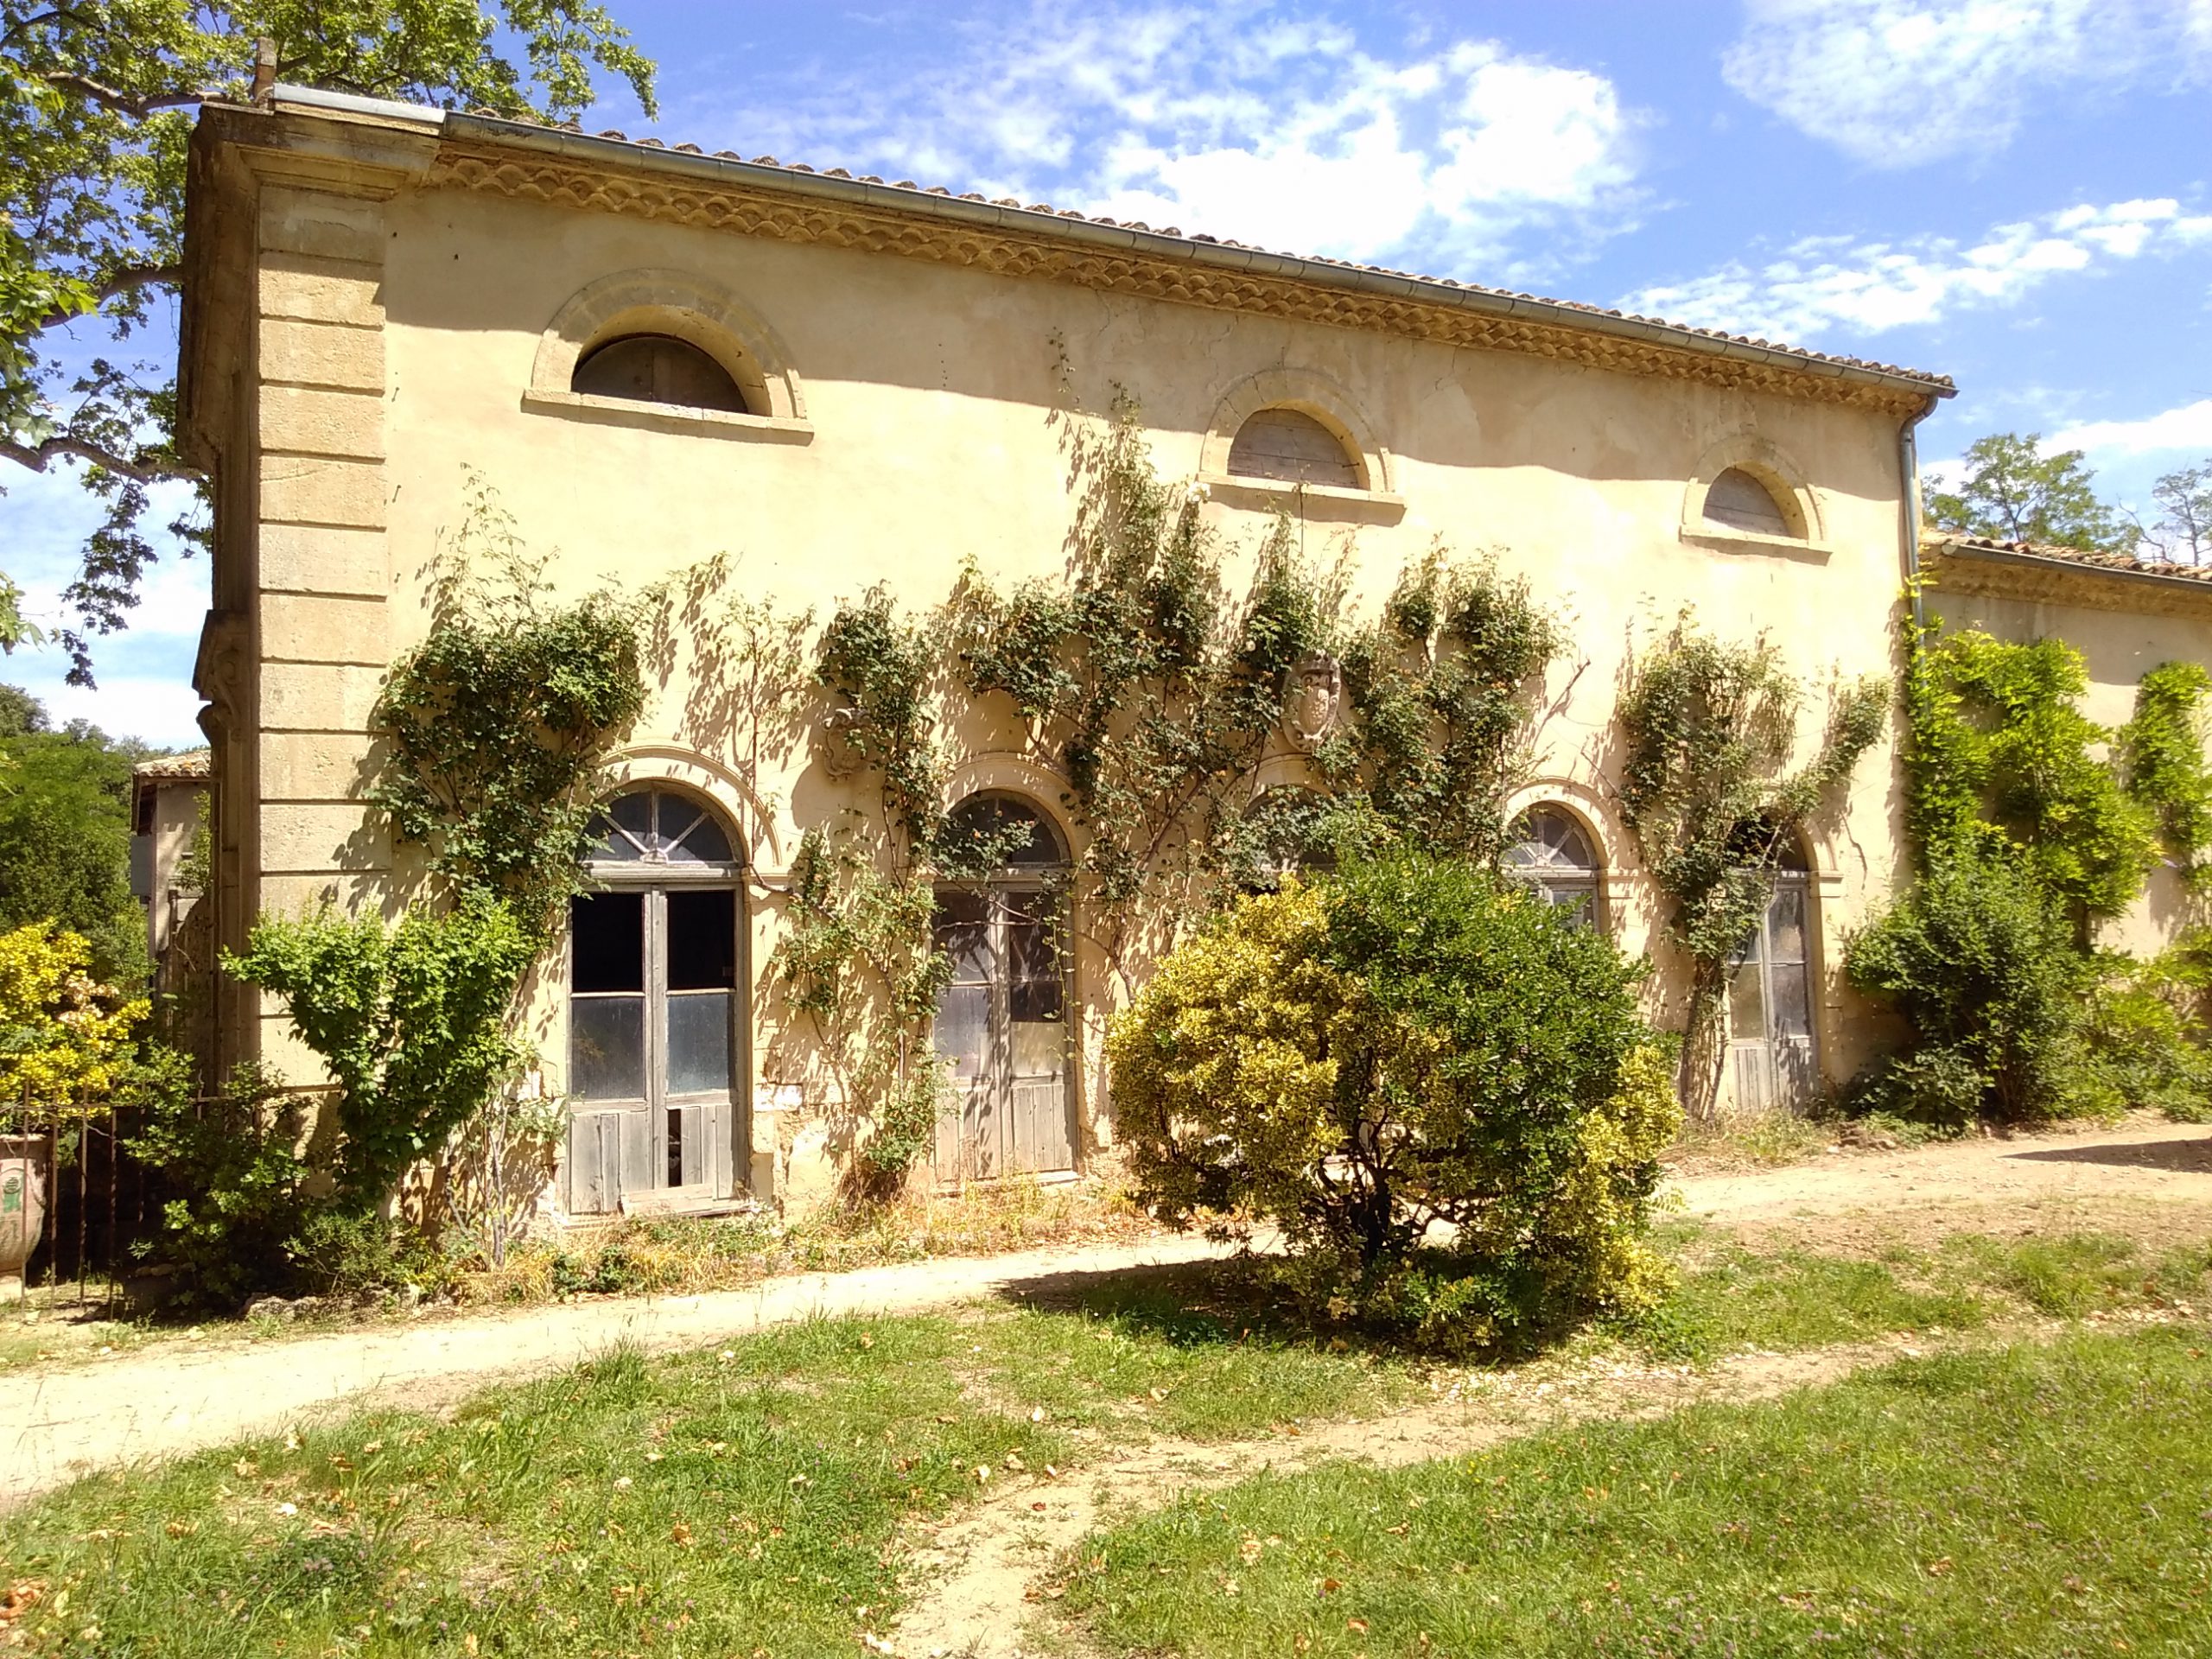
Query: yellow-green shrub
[{"x": 1433, "y": 1083}]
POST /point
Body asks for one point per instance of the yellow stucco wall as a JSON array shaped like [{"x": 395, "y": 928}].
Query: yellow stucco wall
[{"x": 397, "y": 337}]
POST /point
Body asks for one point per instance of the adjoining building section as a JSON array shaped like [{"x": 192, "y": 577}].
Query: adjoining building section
[{"x": 652, "y": 357}]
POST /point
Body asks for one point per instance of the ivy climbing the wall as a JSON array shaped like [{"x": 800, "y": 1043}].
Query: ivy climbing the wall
[
  {"x": 2030, "y": 823},
  {"x": 2000, "y": 758},
  {"x": 495, "y": 731},
  {"x": 1709, "y": 731},
  {"x": 1152, "y": 678},
  {"x": 2161, "y": 754}
]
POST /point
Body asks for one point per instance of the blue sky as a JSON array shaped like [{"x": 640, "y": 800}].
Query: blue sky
[{"x": 2017, "y": 193}]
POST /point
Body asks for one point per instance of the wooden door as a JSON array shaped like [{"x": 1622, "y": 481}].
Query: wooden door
[
  {"x": 1770, "y": 1043},
  {"x": 653, "y": 1019},
  {"x": 1001, "y": 1026}
]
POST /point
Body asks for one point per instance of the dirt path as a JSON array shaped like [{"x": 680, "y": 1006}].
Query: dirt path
[
  {"x": 984, "y": 1574},
  {"x": 59, "y": 1424},
  {"x": 176, "y": 1397}
]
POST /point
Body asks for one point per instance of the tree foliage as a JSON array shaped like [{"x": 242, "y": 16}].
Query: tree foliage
[
  {"x": 97, "y": 111},
  {"x": 66, "y": 1041},
  {"x": 1412, "y": 1042},
  {"x": 2011, "y": 492},
  {"x": 412, "y": 1022},
  {"x": 65, "y": 834}
]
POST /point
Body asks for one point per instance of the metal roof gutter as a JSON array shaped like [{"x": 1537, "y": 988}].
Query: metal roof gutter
[{"x": 624, "y": 155}]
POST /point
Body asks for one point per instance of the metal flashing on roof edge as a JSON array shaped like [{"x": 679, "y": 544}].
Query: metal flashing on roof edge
[{"x": 384, "y": 109}]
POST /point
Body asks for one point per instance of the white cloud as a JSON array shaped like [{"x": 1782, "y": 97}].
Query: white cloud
[
  {"x": 1245, "y": 121},
  {"x": 145, "y": 673},
  {"x": 2186, "y": 428},
  {"x": 1896, "y": 82},
  {"x": 1867, "y": 288}
]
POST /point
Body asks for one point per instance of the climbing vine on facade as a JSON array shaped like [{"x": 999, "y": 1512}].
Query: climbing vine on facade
[
  {"x": 1710, "y": 730},
  {"x": 2001, "y": 758},
  {"x": 2161, "y": 753},
  {"x": 496, "y": 730}
]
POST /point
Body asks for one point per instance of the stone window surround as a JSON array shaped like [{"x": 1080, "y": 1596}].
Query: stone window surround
[
  {"x": 1312, "y": 394},
  {"x": 689, "y": 309},
  {"x": 1784, "y": 480}
]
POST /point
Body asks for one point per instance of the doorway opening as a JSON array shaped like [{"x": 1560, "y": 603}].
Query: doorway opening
[
  {"x": 1002, "y": 1022},
  {"x": 655, "y": 1047}
]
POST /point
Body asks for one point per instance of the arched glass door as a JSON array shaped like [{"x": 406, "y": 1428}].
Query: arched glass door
[
  {"x": 1003, "y": 1021},
  {"x": 1771, "y": 1042},
  {"x": 653, "y": 977}
]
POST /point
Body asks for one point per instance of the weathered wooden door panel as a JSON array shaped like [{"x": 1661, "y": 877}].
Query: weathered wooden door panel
[
  {"x": 1002, "y": 1022},
  {"x": 1772, "y": 1062}
]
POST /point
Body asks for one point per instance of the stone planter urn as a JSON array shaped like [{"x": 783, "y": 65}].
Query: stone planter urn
[{"x": 24, "y": 1163}]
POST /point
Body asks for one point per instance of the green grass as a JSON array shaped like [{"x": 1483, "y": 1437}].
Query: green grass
[
  {"x": 1735, "y": 1298},
  {"x": 2046, "y": 1501},
  {"x": 706, "y": 1504}
]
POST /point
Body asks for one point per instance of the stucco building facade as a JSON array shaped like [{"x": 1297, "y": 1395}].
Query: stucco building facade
[{"x": 652, "y": 357}]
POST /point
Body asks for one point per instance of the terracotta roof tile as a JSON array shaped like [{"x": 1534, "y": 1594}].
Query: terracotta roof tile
[
  {"x": 192, "y": 764},
  {"x": 2125, "y": 563}
]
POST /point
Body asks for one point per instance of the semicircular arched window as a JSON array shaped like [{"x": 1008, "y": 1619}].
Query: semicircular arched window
[
  {"x": 657, "y": 369},
  {"x": 653, "y": 826},
  {"x": 1552, "y": 853},
  {"x": 1738, "y": 499},
  {"x": 1290, "y": 447}
]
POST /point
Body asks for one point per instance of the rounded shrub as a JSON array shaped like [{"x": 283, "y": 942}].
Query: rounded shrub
[
  {"x": 1982, "y": 959},
  {"x": 1436, "y": 1087}
]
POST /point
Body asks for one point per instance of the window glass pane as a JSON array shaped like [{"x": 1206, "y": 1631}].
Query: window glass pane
[
  {"x": 701, "y": 940},
  {"x": 1040, "y": 1051},
  {"x": 1785, "y": 923},
  {"x": 698, "y": 1042},
  {"x": 1580, "y": 903},
  {"x": 702, "y": 843},
  {"x": 1020, "y": 831},
  {"x": 606, "y": 1047},
  {"x": 964, "y": 1015},
  {"x": 1746, "y": 1000},
  {"x": 962, "y": 932},
  {"x": 1034, "y": 992},
  {"x": 606, "y": 933},
  {"x": 1792, "y": 1008}
]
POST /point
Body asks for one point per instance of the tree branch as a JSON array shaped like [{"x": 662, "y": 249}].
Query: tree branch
[
  {"x": 137, "y": 106},
  {"x": 124, "y": 282},
  {"x": 39, "y": 457}
]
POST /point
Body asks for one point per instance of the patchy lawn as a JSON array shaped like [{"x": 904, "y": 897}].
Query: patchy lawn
[
  {"x": 2052, "y": 1501},
  {"x": 738, "y": 1501}
]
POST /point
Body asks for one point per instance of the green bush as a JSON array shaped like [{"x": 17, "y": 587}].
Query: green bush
[
  {"x": 412, "y": 1023},
  {"x": 1981, "y": 958},
  {"x": 2143, "y": 1044},
  {"x": 1411, "y": 1043},
  {"x": 235, "y": 1162}
]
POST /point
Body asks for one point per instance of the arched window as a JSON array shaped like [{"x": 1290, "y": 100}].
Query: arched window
[
  {"x": 1771, "y": 1040},
  {"x": 1736, "y": 499},
  {"x": 654, "y": 950},
  {"x": 1552, "y": 854},
  {"x": 1002, "y": 1019},
  {"x": 1288, "y": 445},
  {"x": 657, "y": 369}
]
